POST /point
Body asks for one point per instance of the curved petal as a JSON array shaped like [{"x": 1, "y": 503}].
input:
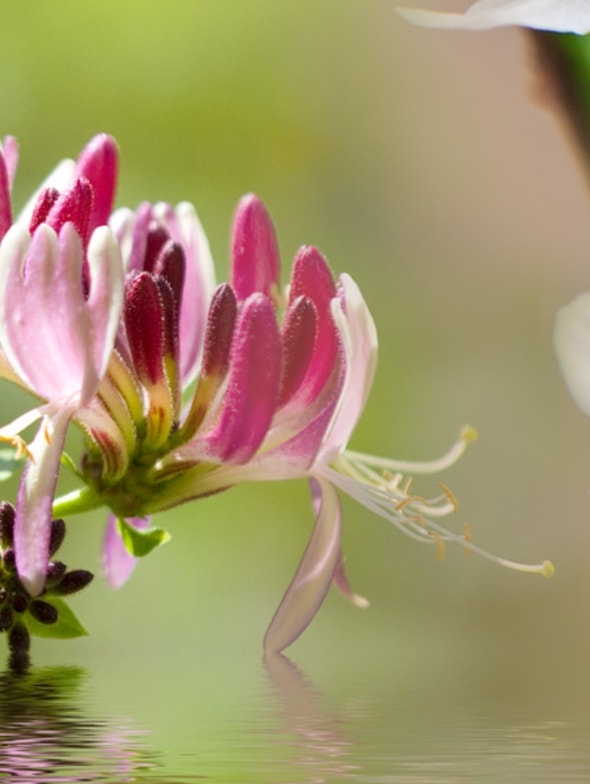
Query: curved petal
[
  {"x": 32, "y": 529},
  {"x": 359, "y": 337},
  {"x": 117, "y": 561},
  {"x": 314, "y": 574},
  {"x": 560, "y": 16},
  {"x": 571, "y": 339}
]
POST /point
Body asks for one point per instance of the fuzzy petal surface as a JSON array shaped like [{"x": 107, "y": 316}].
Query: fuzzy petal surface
[
  {"x": 32, "y": 529},
  {"x": 560, "y": 16},
  {"x": 253, "y": 384},
  {"x": 255, "y": 252}
]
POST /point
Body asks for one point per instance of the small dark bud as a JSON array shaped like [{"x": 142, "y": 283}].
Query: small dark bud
[
  {"x": 9, "y": 560},
  {"x": 6, "y": 619},
  {"x": 19, "y": 639},
  {"x": 72, "y": 582},
  {"x": 55, "y": 572},
  {"x": 20, "y": 603},
  {"x": 7, "y": 514},
  {"x": 58, "y": 531},
  {"x": 43, "y": 612}
]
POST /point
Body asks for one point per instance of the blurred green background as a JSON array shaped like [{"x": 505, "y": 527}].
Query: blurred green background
[{"x": 421, "y": 164}]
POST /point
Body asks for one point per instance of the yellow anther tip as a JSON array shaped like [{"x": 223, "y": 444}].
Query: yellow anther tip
[
  {"x": 548, "y": 569},
  {"x": 469, "y": 434}
]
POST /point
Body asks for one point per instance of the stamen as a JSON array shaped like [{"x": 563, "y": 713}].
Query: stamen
[
  {"x": 19, "y": 445},
  {"x": 467, "y": 435},
  {"x": 386, "y": 494},
  {"x": 468, "y": 538},
  {"x": 450, "y": 495},
  {"x": 411, "y": 499},
  {"x": 440, "y": 545}
]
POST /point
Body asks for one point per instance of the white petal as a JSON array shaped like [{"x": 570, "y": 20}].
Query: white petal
[
  {"x": 571, "y": 339},
  {"x": 562, "y": 16}
]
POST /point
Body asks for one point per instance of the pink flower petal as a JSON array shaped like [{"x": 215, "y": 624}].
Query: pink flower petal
[
  {"x": 144, "y": 323},
  {"x": 255, "y": 253},
  {"x": 32, "y": 529},
  {"x": 75, "y": 206},
  {"x": 312, "y": 278},
  {"x": 98, "y": 164},
  {"x": 5, "y": 202},
  {"x": 314, "y": 574},
  {"x": 298, "y": 334},
  {"x": 117, "y": 561},
  {"x": 47, "y": 324},
  {"x": 10, "y": 152},
  {"x": 250, "y": 400}
]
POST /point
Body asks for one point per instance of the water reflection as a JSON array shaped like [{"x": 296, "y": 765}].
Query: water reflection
[
  {"x": 318, "y": 738},
  {"x": 46, "y": 736},
  {"x": 411, "y": 735},
  {"x": 219, "y": 723}
]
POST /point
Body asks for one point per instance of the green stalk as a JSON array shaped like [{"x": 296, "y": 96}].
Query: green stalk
[{"x": 82, "y": 500}]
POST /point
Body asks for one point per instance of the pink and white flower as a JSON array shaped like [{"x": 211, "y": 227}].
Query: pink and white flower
[
  {"x": 183, "y": 388},
  {"x": 60, "y": 300},
  {"x": 273, "y": 401}
]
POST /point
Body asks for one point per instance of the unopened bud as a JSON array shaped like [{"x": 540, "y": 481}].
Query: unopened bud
[
  {"x": 72, "y": 582},
  {"x": 43, "y": 611}
]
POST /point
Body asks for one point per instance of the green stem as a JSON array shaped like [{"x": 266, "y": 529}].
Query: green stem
[{"x": 82, "y": 500}]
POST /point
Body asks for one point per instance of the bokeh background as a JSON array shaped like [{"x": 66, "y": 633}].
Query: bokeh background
[{"x": 423, "y": 164}]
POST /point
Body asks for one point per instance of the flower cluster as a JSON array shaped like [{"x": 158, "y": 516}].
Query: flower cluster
[{"x": 183, "y": 388}]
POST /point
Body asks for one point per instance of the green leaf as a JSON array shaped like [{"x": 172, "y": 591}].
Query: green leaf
[
  {"x": 66, "y": 627},
  {"x": 141, "y": 542},
  {"x": 8, "y": 463}
]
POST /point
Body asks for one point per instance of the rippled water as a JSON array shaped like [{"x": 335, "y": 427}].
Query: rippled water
[{"x": 268, "y": 722}]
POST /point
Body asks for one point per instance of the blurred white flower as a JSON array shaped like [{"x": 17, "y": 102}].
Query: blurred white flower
[
  {"x": 572, "y": 347},
  {"x": 560, "y": 16}
]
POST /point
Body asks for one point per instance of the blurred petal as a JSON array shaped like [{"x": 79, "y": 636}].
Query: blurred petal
[
  {"x": 312, "y": 580},
  {"x": 117, "y": 561},
  {"x": 572, "y": 345},
  {"x": 560, "y": 16}
]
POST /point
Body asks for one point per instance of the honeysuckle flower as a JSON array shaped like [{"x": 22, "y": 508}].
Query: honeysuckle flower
[
  {"x": 182, "y": 388},
  {"x": 60, "y": 301},
  {"x": 275, "y": 398},
  {"x": 561, "y": 16}
]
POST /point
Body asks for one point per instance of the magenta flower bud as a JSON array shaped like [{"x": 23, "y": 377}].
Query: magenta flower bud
[{"x": 254, "y": 249}]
